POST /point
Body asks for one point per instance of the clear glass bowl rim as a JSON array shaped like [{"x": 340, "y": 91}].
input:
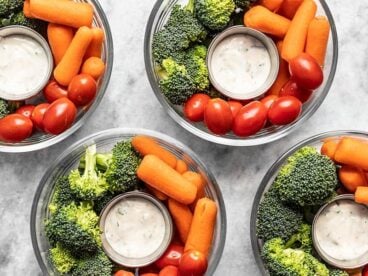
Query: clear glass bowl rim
[
  {"x": 128, "y": 131},
  {"x": 282, "y": 132},
  {"x": 272, "y": 170},
  {"x": 58, "y": 138}
]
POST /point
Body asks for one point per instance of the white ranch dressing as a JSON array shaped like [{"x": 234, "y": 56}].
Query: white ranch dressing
[
  {"x": 23, "y": 64},
  {"x": 342, "y": 230},
  {"x": 241, "y": 64},
  {"x": 135, "y": 228}
]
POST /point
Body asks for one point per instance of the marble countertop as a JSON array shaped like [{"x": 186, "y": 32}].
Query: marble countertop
[{"x": 130, "y": 102}]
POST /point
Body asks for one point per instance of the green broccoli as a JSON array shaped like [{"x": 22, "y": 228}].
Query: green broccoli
[
  {"x": 100, "y": 203},
  {"x": 214, "y": 14},
  {"x": 62, "y": 259},
  {"x": 276, "y": 219},
  {"x": 307, "y": 179},
  {"x": 4, "y": 108},
  {"x": 20, "y": 19},
  {"x": 91, "y": 185},
  {"x": 195, "y": 64},
  {"x": 102, "y": 160},
  {"x": 75, "y": 227},
  {"x": 96, "y": 265},
  {"x": 338, "y": 272},
  {"x": 302, "y": 239},
  {"x": 283, "y": 261},
  {"x": 62, "y": 196},
  {"x": 9, "y": 6},
  {"x": 181, "y": 30},
  {"x": 244, "y": 4}
]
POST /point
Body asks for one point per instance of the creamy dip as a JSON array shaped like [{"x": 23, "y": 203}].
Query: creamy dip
[
  {"x": 240, "y": 64},
  {"x": 342, "y": 230},
  {"x": 135, "y": 228},
  {"x": 23, "y": 65}
]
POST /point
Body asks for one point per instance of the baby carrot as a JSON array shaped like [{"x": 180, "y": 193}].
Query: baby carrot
[
  {"x": 70, "y": 64},
  {"x": 317, "y": 39},
  {"x": 272, "y": 5},
  {"x": 352, "y": 178},
  {"x": 289, "y": 8},
  {"x": 203, "y": 226},
  {"x": 27, "y": 9},
  {"x": 69, "y": 13},
  {"x": 157, "y": 193},
  {"x": 353, "y": 152},
  {"x": 264, "y": 20},
  {"x": 182, "y": 217},
  {"x": 94, "y": 67},
  {"x": 59, "y": 37},
  {"x": 361, "y": 195},
  {"x": 329, "y": 148},
  {"x": 296, "y": 36},
  {"x": 198, "y": 181},
  {"x": 145, "y": 145},
  {"x": 95, "y": 48},
  {"x": 164, "y": 178},
  {"x": 181, "y": 166}
]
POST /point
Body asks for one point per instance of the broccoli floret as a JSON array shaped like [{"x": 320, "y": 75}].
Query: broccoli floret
[
  {"x": 195, "y": 64},
  {"x": 96, "y": 265},
  {"x": 4, "y": 108},
  {"x": 62, "y": 196},
  {"x": 338, "y": 272},
  {"x": 20, "y": 19},
  {"x": 16, "y": 5},
  {"x": 276, "y": 219},
  {"x": 62, "y": 259},
  {"x": 283, "y": 261},
  {"x": 75, "y": 227},
  {"x": 214, "y": 14},
  {"x": 307, "y": 179},
  {"x": 244, "y": 4},
  {"x": 100, "y": 203},
  {"x": 302, "y": 239},
  {"x": 91, "y": 185}
]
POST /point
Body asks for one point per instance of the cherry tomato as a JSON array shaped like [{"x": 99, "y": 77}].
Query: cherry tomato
[
  {"x": 26, "y": 110},
  {"x": 169, "y": 271},
  {"x": 365, "y": 271},
  {"x": 235, "y": 106},
  {"x": 171, "y": 256},
  {"x": 250, "y": 119},
  {"x": 195, "y": 106},
  {"x": 15, "y": 128},
  {"x": 37, "y": 115},
  {"x": 292, "y": 89},
  {"x": 269, "y": 100},
  {"x": 54, "y": 91},
  {"x": 285, "y": 110},
  {"x": 306, "y": 72},
  {"x": 59, "y": 116},
  {"x": 82, "y": 89},
  {"x": 218, "y": 116},
  {"x": 123, "y": 273},
  {"x": 193, "y": 263}
]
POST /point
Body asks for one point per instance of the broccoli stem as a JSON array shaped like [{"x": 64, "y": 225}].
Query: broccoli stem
[
  {"x": 90, "y": 161},
  {"x": 190, "y": 6}
]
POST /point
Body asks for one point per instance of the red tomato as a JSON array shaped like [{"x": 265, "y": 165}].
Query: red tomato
[
  {"x": 82, "y": 89},
  {"x": 59, "y": 116},
  {"x": 285, "y": 110},
  {"x": 54, "y": 91},
  {"x": 235, "y": 106},
  {"x": 171, "y": 256},
  {"x": 305, "y": 70},
  {"x": 218, "y": 116},
  {"x": 195, "y": 106},
  {"x": 269, "y": 100},
  {"x": 193, "y": 263},
  {"x": 365, "y": 271},
  {"x": 26, "y": 110},
  {"x": 169, "y": 271},
  {"x": 37, "y": 115},
  {"x": 250, "y": 119},
  {"x": 123, "y": 273},
  {"x": 292, "y": 89},
  {"x": 15, "y": 128}
]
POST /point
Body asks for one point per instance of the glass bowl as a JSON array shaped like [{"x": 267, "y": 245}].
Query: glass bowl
[
  {"x": 105, "y": 140},
  {"x": 315, "y": 141},
  {"x": 159, "y": 15},
  {"x": 41, "y": 140}
]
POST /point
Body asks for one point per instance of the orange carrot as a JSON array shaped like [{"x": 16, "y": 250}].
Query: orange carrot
[
  {"x": 289, "y": 8},
  {"x": 283, "y": 75},
  {"x": 145, "y": 145},
  {"x": 361, "y": 195},
  {"x": 69, "y": 13},
  {"x": 59, "y": 37},
  {"x": 199, "y": 182},
  {"x": 296, "y": 36},
  {"x": 181, "y": 166},
  {"x": 203, "y": 226},
  {"x": 164, "y": 178},
  {"x": 272, "y": 5},
  {"x": 317, "y": 39},
  {"x": 329, "y": 148},
  {"x": 94, "y": 67},
  {"x": 157, "y": 193},
  {"x": 182, "y": 217},
  {"x": 352, "y": 178},
  {"x": 353, "y": 152},
  {"x": 263, "y": 20},
  {"x": 70, "y": 64},
  {"x": 27, "y": 9},
  {"x": 95, "y": 48}
]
